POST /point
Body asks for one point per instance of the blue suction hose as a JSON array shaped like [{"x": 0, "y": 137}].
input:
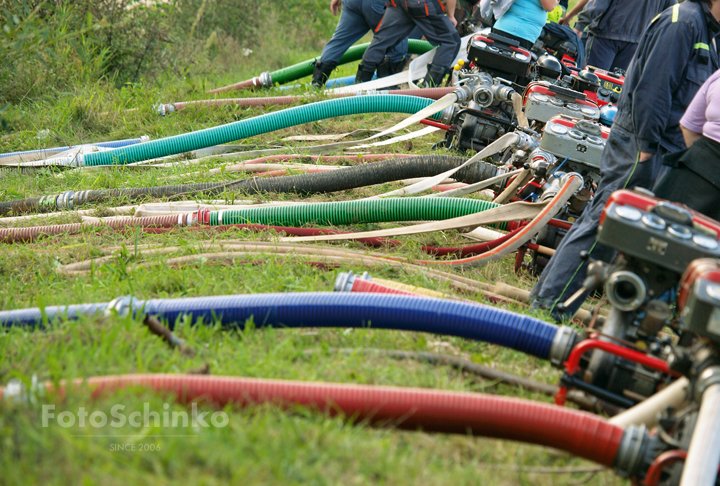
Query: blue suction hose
[{"x": 379, "y": 311}]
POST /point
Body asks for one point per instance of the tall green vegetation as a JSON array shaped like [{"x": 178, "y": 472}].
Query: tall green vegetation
[{"x": 51, "y": 47}]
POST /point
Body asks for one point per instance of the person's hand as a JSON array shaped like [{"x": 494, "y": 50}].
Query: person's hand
[
  {"x": 644, "y": 156},
  {"x": 453, "y": 20},
  {"x": 335, "y": 6},
  {"x": 565, "y": 20},
  {"x": 579, "y": 34}
]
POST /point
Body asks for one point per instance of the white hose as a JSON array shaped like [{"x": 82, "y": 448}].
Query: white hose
[
  {"x": 478, "y": 186},
  {"x": 416, "y": 70},
  {"x": 703, "y": 459},
  {"x": 497, "y": 146},
  {"x": 647, "y": 412}
]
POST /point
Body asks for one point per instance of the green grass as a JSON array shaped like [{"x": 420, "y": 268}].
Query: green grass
[{"x": 261, "y": 445}]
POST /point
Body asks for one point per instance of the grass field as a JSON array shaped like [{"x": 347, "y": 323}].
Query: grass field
[{"x": 260, "y": 445}]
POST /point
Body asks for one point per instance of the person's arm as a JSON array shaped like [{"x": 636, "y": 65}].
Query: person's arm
[
  {"x": 573, "y": 12},
  {"x": 450, "y": 10},
  {"x": 690, "y": 136},
  {"x": 668, "y": 45},
  {"x": 549, "y": 5},
  {"x": 335, "y": 6},
  {"x": 592, "y": 10}
]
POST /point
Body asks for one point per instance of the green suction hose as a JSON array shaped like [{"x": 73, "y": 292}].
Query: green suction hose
[
  {"x": 355, "y": 53},
  {"x": 258, "y": 125},
  {"x": 354, "y": 212}
]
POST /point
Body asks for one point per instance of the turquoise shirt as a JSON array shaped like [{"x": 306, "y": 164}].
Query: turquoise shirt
[{"x": 524, "y": 19}]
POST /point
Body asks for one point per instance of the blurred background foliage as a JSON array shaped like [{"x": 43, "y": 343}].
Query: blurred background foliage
[{"x": 52, "y": 47}]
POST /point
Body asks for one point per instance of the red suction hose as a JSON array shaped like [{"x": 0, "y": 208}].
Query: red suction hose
[
  {"x": 580, "y": 433},
  {"x": 14, "y": 235}
]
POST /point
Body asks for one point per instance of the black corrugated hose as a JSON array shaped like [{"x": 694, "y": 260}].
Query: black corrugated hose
[{"x": 319, "y": 182}]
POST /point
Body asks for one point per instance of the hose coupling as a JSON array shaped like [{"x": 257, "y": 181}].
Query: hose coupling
[
  {"x": 81, "y": 198},
  {"x": 121, "y": 305},
  {"x": 556, "y": 182},
  {"x": 344, "y": 281},
  {"x": 709, "y": 376},
  {"x": 201, "y": 216},
  {"x": 17, "y": 392},
  {"x": 541, "y": 161},
  {"x": 78, "y": 161},
  {"x": 564, "y": 341},
  {"x": 503, "y": 93},
  {"x": 464, "y": 93},
  {"x": 625, "y": 290},
  {"x": 65, "y": 200},
  {"x": 525, "y": 141},
  {"x": 162, "y": 110},
  {"x": 631, "y": 453},
  {"x": 265, "y": 80},
  {"x": 484, "y": 96},
  {"x": 446, "y": 116}
]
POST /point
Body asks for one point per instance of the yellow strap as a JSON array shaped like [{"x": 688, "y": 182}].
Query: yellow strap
[
  {"x": 701, "y": 45},
  {"x": 656, "y": 17},
  {"x": 676, "y": 12}
]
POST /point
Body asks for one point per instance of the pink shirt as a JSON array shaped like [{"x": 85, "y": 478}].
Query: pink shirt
[{"x": 703, "y": 114}]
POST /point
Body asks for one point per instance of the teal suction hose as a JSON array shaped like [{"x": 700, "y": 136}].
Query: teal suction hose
[
  {"x": 353, "y": 212},
  {"x": 256, "y": 126}
]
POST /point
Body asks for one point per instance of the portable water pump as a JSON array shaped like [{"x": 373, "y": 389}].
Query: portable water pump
[{"x": 657, "y": 242}]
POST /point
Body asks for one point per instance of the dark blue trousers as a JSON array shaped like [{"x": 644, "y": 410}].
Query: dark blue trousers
[
  {"x": 608, "y": 54},
  {"x": 357, "y": 18},
  {"x": 399, "y": 21},
  {"x": 620, "y": 169}
]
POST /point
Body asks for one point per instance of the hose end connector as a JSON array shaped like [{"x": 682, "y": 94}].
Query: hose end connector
[
  {"x": 631, "y": 453},
  {"x": 122, "y": 306},
  {"x": 564, "y": 341},
  {"x": 525, "y": 142},
  {"x": 464, "y": 93},
  {"x": 344, "y": 281},
  {"x": 265, "y": 80},
  {"x": 17, "y": 392},
  {"x": 65, "y": 200},
  {"x": 162, "y": 110}
]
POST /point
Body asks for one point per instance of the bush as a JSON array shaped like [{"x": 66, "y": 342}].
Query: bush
[{"x": 51, "y": 46}]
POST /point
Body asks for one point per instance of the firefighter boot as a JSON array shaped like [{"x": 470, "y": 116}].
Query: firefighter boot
[{"x": 321, "y": 73}]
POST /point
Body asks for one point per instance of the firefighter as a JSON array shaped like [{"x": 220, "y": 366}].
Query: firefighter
[
  {"x": 675, "y": 56},
  {"x": 357, "y": 18},
  {"x": 696, "y": 167},
  {"x": 614, "y": 28},
  {"x": 435, "y": 20}
]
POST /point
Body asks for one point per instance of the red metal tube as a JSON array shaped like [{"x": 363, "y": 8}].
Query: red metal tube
[
  {"x": 660, "y": 463},
  {"x": 471, "y": 250},
  {"x": 560, "y": 224},
  {"x": 435, "y": 124},
  {"x": 572, "y": 365},
  {"x": 582, "y": 434}
]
